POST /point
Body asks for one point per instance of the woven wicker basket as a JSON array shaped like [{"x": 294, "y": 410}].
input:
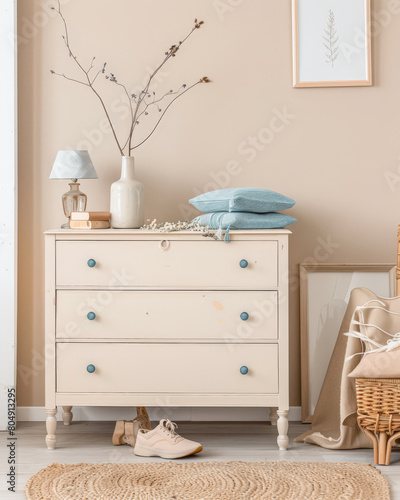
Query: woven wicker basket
[{"x": 378, "y": 414}]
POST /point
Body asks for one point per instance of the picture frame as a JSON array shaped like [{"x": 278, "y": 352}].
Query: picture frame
[
  {"x": 331, "y": 43},
  {"x": 324, "y": 293}
]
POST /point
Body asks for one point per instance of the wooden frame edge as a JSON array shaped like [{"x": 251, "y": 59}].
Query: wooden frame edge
[
  {"x": 295, "y": 45},
  {"x": 305, "y": 403},
  {"x": 340, "y": 83}
]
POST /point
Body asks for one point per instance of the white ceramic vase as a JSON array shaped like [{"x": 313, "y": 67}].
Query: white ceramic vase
[{"x": 126, "y": 202}]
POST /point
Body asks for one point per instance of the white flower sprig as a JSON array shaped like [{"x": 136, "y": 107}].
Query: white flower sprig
[{"x": 168, "y": 227}]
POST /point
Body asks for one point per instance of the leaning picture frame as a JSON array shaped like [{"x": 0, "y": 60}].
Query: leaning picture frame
[
  {"x": 331, "y": 43},
  {"x": 324, "y": 294}
]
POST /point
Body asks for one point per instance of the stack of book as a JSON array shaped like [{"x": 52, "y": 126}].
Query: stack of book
[{"x": 89, "y": 220}]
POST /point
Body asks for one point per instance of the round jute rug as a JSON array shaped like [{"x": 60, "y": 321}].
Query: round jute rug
[{"x": 209, "y": 481}]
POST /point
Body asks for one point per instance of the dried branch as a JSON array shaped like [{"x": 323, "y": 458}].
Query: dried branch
[
  {"x": 202, "y": 80},
  {"x": 157, "y": 101},
  {"x": 113, "y": 79},
  {"x": 89, "y": 82},
  {"x": 91, "y": 65},
  {"x": 103, "y": 70},
  {"x": 68, "y": 78},
  {"x": 170, "y": 53},
  {"x": 140, "y": 101}
]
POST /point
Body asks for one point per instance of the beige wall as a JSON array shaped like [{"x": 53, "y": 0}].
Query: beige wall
[{"x": 331, "y": 155}]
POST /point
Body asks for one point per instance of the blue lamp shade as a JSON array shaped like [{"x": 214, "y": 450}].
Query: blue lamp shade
[{"x": 73, "y": 164}]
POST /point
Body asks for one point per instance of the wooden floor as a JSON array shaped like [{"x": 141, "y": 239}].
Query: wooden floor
[{"x": 84, "y": 442}]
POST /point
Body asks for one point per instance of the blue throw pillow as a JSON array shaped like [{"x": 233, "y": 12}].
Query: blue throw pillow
[
  {"x": 256, "y": 200},
  {"x": 244, "y": 220}
]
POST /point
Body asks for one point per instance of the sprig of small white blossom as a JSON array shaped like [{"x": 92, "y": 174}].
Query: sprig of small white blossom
[{"x": 168, "y": 227}]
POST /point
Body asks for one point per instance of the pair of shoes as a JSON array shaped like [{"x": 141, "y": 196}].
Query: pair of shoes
[
  {"x": 125, "y": 431},
  {"x": 164, "y": 442}
]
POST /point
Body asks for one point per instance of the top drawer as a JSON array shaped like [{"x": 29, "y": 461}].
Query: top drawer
[{"x": 168, "y": 264}]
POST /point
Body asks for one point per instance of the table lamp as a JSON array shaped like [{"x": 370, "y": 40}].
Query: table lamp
[{"x": 74, "y": 165}]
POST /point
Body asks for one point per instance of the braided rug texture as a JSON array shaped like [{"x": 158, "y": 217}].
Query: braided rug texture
[{"x": 209, "y": 481}]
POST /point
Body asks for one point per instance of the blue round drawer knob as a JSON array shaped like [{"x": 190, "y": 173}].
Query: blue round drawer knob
[
  {"x": 244, "y": 370},
  {"x": 90, "y": 368},
  {"x": 243, "y": 263},
  {"x": 91, "y": 316},
  {"x": 244, "y": 316},
  {"x": 91, "y": 262}
]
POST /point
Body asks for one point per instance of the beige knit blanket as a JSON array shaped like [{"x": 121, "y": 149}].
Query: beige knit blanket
[{"x": 334, "y": 422}]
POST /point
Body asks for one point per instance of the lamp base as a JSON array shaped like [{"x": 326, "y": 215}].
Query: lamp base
[
  {"x": 65, "y": 226},
  {"x": 73, "y": 201}
]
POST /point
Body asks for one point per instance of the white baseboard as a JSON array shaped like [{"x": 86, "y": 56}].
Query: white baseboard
[{"x": 181, "y": 414}]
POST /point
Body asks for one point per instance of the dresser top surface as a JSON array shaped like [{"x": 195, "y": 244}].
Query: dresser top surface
[{"x": 144, "y": 233}]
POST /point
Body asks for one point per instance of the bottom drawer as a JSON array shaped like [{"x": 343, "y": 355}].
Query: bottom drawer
[{"x": 167, "y": 368}]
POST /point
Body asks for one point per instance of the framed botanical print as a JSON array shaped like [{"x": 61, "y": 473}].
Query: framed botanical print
[{"x": 331, "y": 43}]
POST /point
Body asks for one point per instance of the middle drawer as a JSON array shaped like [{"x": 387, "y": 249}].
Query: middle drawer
[{"x": 230, "y": 316}]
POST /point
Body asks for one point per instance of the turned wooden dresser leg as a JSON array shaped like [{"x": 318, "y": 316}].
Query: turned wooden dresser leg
[
  {"x": 273, "y": 415},
  {"x": 283, "y": 428},
  {"x": 67, "y": 415},
  {"x": 51, "y": 426}
]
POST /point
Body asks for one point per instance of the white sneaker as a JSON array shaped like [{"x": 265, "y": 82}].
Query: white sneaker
[{"x": 164, "y": 442}]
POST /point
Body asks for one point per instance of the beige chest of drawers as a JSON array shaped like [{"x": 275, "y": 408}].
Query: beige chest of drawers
[{"x": 136, "y": 318}]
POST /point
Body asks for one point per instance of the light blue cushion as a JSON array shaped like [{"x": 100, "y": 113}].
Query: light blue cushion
[
  {"x": 244, "y": 220},
  {"x": 254, "y": 200}
]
